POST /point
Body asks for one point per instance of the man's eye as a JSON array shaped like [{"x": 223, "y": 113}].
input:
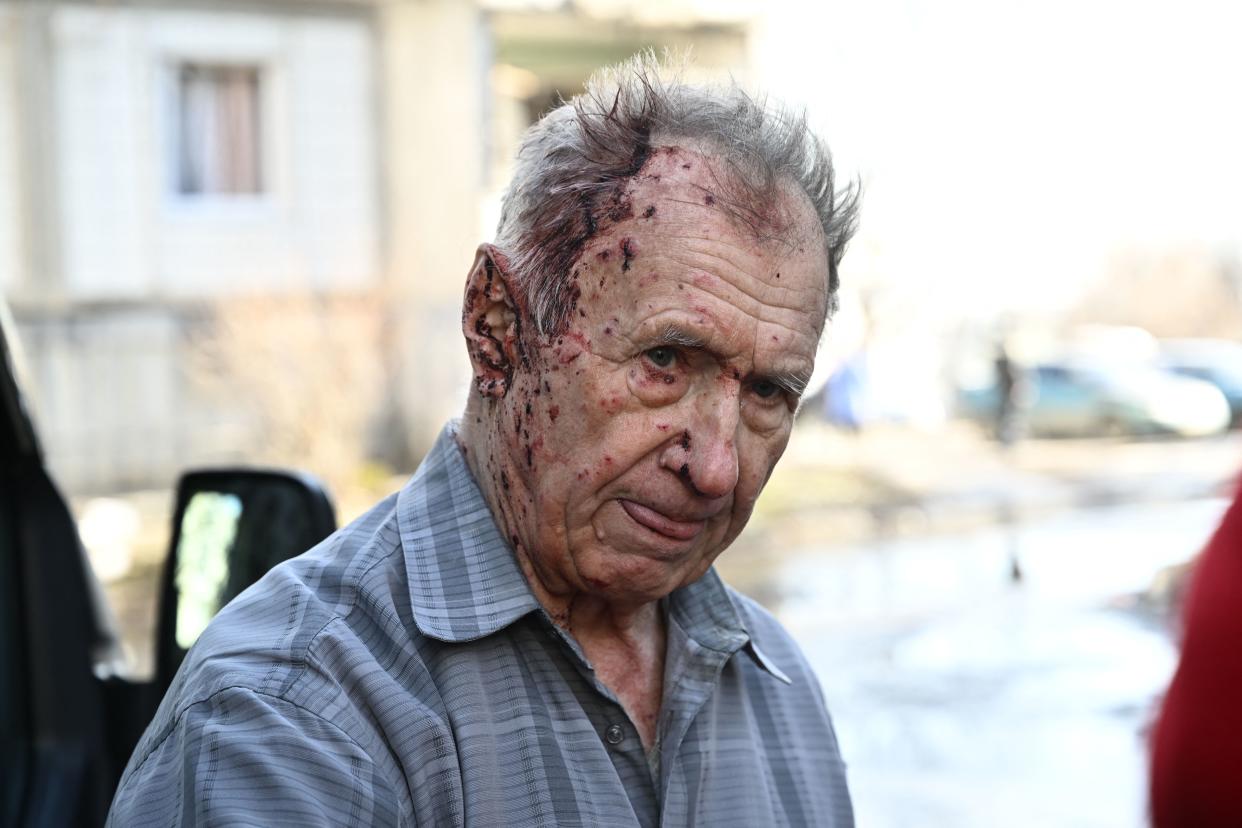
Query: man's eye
[
  {"x": 765, "y": 389},
  {"x": 662, "y": 357}
]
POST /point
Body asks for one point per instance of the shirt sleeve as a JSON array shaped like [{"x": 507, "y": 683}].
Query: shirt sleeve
[{"x": 243, "y": 758}]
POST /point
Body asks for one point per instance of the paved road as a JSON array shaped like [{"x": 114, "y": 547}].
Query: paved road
[{"x": 963, "y": 700}]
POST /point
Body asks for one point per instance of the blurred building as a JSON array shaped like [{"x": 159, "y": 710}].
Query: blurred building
[{"x": 279, "y": 196}]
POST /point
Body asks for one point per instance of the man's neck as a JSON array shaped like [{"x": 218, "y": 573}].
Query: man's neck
[
  {"x": 628, "y": 659},
  {"x": 624, "y": 642}
]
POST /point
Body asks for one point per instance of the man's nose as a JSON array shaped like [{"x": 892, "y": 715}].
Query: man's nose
[{"x": 706, "y": 454}]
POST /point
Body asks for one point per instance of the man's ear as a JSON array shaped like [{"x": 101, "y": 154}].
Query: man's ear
[{"x": 490, "y": 322}]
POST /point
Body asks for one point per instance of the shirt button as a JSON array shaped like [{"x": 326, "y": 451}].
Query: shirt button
[{"x": 614, "y": 735}]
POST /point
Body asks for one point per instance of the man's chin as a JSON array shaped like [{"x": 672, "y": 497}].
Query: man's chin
[{"x": 642, "y": 573}]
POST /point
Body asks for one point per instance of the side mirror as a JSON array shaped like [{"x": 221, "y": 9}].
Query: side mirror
[{"x": 229, "y": 528}]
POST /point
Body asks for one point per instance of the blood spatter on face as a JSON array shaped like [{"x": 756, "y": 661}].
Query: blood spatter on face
[
  {"x": 778, "y": 275},
  {"x": 663, "y": 426},
  {"x": 604, "y": 255},
  {"x": 709, "y": 199},
  {"x": 562, "y": 242},
  {"x": 554, "y": 412},
  {"x": 611, "y": 403},
  {"x": 620, "y": 206},
  {"x": 703, "y": 280},
  {"x": 504, "y": 481},
  {"x": 569, "y": 347},
  {"x": 628, "y": 251},
  {"x": 684, "y": 472},
  {"x": 649, "y": 212},
  {"x": 684, "y": 442},
  {"x": 530, "y": 459},
  {"x": 654, "y": 374}
]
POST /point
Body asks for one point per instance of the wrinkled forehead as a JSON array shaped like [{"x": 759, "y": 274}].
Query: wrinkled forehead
[
  {"x": 770, "y": 209},
  {"x": 688, "y": 196}
]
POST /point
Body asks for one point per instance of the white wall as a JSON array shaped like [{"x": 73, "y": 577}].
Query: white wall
[
  {"x": 128, "y": 234},
  {"x": 106, "y": 391},
  {"x": 102, "y": 153}
]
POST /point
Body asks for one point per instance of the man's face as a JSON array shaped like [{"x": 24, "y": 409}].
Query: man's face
[{"x": 644, "y": 434}]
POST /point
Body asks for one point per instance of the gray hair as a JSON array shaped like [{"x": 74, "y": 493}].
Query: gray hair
[{"x": 574, "y": 166}]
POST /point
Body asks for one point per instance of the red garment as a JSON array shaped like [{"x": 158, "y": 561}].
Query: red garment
[{"x": 1196, "y": 775}]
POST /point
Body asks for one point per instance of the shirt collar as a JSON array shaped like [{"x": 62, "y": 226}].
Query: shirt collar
[
  {"x": 707, "y": 611},
  {"x": 465, "y": 583}
]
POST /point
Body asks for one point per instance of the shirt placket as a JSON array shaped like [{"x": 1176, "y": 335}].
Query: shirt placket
[
  {"x": 691, "y": 679},
  {"x": 617, "y": 733}
]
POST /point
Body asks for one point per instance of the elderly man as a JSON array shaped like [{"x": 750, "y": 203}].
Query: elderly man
[{"x": 530, "y": 632}]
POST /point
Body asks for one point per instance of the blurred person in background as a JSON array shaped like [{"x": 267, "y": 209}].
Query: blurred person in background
[
  {"x": 531, "y": 632},
  {"x": 1012, "y": 392},
  {"x": 1196, "y": 770}
]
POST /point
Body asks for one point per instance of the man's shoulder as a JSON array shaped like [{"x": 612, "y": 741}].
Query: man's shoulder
[{"x": 277, "y": 638}]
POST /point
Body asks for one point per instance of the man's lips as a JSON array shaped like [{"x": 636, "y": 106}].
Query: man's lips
[{"x": 662, "y": 524}]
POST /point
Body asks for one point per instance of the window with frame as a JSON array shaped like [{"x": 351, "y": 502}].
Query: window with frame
[{"x": 217, "y": 123}]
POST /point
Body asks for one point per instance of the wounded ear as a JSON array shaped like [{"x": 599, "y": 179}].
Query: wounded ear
[{"x": 490, "y": 323}]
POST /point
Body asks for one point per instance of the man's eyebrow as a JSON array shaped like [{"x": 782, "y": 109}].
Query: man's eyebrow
[
  {"x": 792, "y": 382},
  {"x": 673, "y": 335}
]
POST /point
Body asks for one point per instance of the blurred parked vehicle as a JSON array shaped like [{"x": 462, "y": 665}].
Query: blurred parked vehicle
[
  {"x": 70, "y": 710},
  {"x": 1075, "y": 398},
  {"x": 1217, "y": 361}
]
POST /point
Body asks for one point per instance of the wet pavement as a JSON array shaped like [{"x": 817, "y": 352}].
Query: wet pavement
[{"x": 964, "y": 699}]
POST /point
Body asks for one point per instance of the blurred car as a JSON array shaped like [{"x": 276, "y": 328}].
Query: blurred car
[
  {"x": 1075, "y": 398},
  {"x": 71, "y": 710},
  {"x": 1217, "y": 361}
]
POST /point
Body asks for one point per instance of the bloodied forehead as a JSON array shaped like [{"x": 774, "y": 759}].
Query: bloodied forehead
[
  {"x": 685, "y": 215},
  {"x": 696, "y": 175}
]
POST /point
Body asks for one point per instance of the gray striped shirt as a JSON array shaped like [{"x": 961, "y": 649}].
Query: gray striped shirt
[{"x": 402, "y": 673}]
